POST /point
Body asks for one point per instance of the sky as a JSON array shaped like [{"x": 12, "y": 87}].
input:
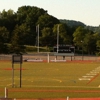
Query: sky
[{"x": 86, "y": 11}]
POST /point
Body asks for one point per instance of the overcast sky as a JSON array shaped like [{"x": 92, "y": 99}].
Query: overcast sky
[{"x": 86, "y": 11}]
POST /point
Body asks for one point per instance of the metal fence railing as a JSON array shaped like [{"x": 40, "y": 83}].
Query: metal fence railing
[{"x": 44, "y": 56}]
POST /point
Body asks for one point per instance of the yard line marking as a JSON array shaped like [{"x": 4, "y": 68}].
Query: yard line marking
[
  {"x": 87, "y": 76},
  {"x": 93, "y": 78},
  {"x": 94, "y": 72},
  {"x": 91, "y": 74},
  {"x": 84, "y": 79}
]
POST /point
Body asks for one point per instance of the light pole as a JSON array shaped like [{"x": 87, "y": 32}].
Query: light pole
[
  {"x": 57, "y": 38},
  {"x": 82, "y": 50},
  {"x": 37, "y": 30}
]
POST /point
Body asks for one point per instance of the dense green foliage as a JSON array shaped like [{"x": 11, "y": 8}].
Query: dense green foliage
[{"x": 19, "y": 29}]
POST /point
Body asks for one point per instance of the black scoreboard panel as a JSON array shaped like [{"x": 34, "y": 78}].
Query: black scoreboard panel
[{"x": 64, "y": 49}]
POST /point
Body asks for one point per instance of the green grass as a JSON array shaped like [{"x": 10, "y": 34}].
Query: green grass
[{"x": 49, "y": 76}]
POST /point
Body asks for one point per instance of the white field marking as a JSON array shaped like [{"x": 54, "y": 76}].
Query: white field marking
[
  {"x": 91, "y": 74},
  {"x": 99, "y": 86},
  {"x": 53, "y": 79},
  {"x": 88, "y": 76},
  {"x": 35, "y": 60},
  {"x": 97, "y": 68},
  {"x": 84, "y": 79},
  {"x": 57, "y": 80},
  {"x": 94, "y": 72},
  {"x": 10, "y": 84}
]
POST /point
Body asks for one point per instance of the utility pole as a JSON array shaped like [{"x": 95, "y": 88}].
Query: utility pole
[
  {"x": 57, "y": 38},
  {"x": 37, "y": 30},
  {"x": 82, "y": 50}
]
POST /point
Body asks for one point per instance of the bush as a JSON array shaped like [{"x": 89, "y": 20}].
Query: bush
[{"x": 98, "y": 54}]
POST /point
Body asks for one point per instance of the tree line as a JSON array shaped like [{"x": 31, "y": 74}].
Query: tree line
[{"x": 18, "y": 29}]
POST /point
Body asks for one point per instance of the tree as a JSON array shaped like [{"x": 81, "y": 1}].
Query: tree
[
  {"x": 8, "y": 20},
  {"x": 3, "y": 39},
  {"x": 3, "y": 34},
  {"x": 97, "y": 38},
  {"x": 79, "y": 35},
  {"x": 20, "y": 37},
  {"x": 90, "y": 43},
  {"x": 46, "y": 38},
  {"x": 47, "y": 21},
  {"x": 29, "y": 15},
  {"x": 61, "y": 30}
]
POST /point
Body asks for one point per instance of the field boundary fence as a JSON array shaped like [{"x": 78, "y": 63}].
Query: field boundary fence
[{"x": 51, "y": 57}]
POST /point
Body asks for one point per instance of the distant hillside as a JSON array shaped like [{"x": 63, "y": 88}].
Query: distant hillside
[
  {"x": 93, "y": 28},
  {"x": 72, "y": 23}
]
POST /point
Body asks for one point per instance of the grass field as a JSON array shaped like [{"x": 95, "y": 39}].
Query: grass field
[{"x": 51, "y": 80}]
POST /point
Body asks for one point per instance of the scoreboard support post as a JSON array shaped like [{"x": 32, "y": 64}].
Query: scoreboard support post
[
  {"x": 18, "y": 60},
  {"x": 63, "y": 57},
  {"x": 71, "y": 58}
]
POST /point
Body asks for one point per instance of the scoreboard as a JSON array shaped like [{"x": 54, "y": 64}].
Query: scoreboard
[{"x": 64, "y": 49}]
